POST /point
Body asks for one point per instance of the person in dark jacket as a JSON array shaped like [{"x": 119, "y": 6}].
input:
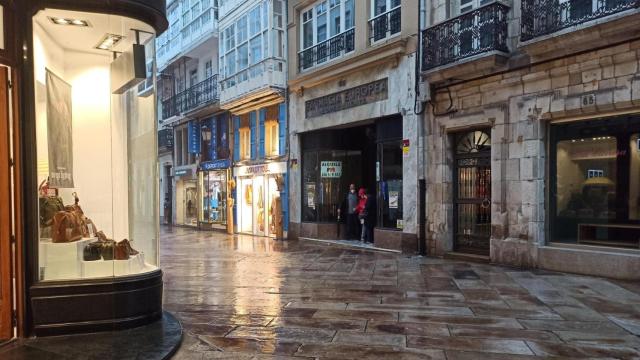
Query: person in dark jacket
[
  {"x": 352, "y": 216},
  {"x": 370, "y": 211}
]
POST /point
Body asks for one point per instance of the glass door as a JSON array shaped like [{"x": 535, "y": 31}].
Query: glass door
[
  {"x": 472, "y": 193},
  {"x": 190, "y": 203}
]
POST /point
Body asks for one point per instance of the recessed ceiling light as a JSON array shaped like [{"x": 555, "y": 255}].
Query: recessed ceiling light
[
  {"x": 64, "y": 21},
  {"x": 109, "y": 41}
]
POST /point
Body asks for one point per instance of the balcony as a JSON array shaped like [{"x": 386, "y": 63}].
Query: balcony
[
  {"x": 472, "y": 34},
  {"x": 385, "y": 25},
  {"x": 327, "y": 50},
  {"x": 261, "y": 82},
  {"x": 200, "y": 94},
  {"x": 543, "y": 17}
]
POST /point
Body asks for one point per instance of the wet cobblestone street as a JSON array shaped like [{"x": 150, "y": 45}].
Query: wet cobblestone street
[{"x": 240, "y": 297}]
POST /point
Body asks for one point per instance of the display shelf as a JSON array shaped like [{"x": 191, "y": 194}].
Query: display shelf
[{"x": 60, "y": 261}]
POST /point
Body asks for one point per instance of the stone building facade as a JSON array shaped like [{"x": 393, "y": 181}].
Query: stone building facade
[
  {"x": 351, "y": 101},
  {"x": 538, "y": 86}
]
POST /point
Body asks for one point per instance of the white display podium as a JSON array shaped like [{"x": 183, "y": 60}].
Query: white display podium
[
  {"x": 64, "y": 261},
  {"x": 102, "y": 268},
  {"x": 60, "y": 261}
]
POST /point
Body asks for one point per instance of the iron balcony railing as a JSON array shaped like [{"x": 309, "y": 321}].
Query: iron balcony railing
[
  {"x": 475, "y": 32},
  {"x": 385, "y": 25},
  {"x": 330, "y": 49},
  {"x": 202, "y": 93},
  {"x": 542, "y": 17}
]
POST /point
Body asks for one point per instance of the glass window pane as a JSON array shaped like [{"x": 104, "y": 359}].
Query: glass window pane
[
  {"x": 254, "y": 18},
  {"x": 243, "y": 56},
  {"x": 390, "y": 186},
  {"x": 586, "y": 186},
  {"x": 241, "y": 27},
  {"x": 321, "y": 23},
  {"x": 231, "y": 64},
  {"x": 256, "y": 50},
  {"x": 379, "y": 7},
  {"x": 335, "y": 20},
  {"x": 307, "y": 35},
  {"x": 309, "y": 180},
  {"x": 349, "y": 14}
]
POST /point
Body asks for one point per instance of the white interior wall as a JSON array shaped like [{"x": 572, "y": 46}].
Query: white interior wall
[{"x": 101, "y": 186}]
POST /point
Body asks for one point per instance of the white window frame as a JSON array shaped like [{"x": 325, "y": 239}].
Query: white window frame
[
  {"x": 388, "y": 7},
  {"x": 245, "y": 142},
  {"x": 314, "y": 20},
  {"x": 271, "y": 138}
]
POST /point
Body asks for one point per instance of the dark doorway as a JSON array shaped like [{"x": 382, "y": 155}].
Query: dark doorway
[{"x": 472, "y": 192}]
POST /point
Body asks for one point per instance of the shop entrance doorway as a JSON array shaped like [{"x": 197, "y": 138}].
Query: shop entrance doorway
[
  {"x": 472, "y": 192},
  {"x": 6, "y": 328},
  {"x": 190, "y": 203}
]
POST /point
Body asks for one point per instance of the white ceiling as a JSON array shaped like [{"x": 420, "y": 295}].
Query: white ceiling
[{"x": 85, "y": 39}]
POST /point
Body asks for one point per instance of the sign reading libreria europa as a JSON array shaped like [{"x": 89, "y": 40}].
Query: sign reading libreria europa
[
  {"x": 59, "y": 132},
  {"x": 346, "y": 99}
]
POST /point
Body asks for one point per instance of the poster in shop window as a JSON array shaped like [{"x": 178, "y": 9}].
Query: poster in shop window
[
  {"x": 311, "y": 196},
  {"x": 393, "y": 199},
  {"x": 59, "y": 132}
]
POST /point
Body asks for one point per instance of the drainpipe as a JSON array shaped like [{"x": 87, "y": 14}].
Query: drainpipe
[{"x": 422, "y": 184}]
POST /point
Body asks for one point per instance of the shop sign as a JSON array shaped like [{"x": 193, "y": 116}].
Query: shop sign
[
  {"x": 346, "y": 99},
  {"x": 193, "y": 130},
  {"x": 183, "y": 172},
  {"x": 405, "y": 147},
  {"x": 330, "y": 169},
  {"x": 268, "y": 168},
  {"x": 215, "y": 164}
]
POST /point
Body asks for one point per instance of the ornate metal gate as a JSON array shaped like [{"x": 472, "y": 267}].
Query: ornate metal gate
[{"x": 472, "y": 192}]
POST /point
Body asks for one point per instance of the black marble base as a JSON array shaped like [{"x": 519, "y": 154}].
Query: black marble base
[{"x": 155, "y": 341}]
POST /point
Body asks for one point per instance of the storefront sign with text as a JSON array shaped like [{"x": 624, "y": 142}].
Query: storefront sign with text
[
  {"x": 346, "y": 99},
  {"x": 330, "y": 169}
]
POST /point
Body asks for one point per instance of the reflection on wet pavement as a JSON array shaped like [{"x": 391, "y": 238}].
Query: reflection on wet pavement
[{"x": 243, "y": 297}]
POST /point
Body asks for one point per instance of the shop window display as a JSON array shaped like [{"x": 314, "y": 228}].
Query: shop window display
[
  {"x": 596, "y": 183},
  {"x": 214, "y": 197},
  {"x": 96, "y": 147}
]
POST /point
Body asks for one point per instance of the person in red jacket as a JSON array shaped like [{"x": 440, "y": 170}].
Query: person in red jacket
[{"x": 362, "y": 202}]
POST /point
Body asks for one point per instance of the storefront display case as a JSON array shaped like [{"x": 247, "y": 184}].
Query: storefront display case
[
  {"x": 595, "y": 183},
  {"x": 91, "y": 168}
]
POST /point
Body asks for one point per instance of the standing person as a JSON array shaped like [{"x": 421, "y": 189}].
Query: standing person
[
  {"x": 352, "y": 216},
  {"x": 370, "y": 211},
  {"x": 362, "y": 202}
]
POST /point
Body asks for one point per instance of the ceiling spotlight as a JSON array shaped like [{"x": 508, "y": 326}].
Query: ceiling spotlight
[
  {"x": 65, "y": 21},
  {"x": 109, "y": 41}
]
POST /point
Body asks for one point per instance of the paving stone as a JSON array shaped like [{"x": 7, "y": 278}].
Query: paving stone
[
  {"x": 352, "y": 337},
  {"x": 499, "y": 333},
  {"x": 582, "y": 351},
  {"x": 517, "y": 347},
  {"x": 408, "y": 328},
  {"x": 344, "y": 351}
]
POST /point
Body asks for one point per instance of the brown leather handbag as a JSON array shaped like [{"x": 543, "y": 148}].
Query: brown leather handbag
[
  {"x": 121, "y": 251},
  {"x": 67, "y": 227}
]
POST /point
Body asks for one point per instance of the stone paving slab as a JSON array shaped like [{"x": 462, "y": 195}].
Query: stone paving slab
[{"x": 243, "y": 297}]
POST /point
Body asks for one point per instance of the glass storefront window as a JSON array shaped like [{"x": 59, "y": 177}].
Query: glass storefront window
[
  {"x": 214, "y": 197},
  {"x": 390, "y": 185},
  {"x": 595, "y": 183},
  {"x": 326, "y": 178},
  {"x": 96, "y": 147}
]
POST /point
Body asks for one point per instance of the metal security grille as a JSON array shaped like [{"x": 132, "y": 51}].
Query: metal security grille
[
  {"x": 475, "y": 32},
  {"x": 542, "y": 17},
  {"x": 472, "y": 192}
]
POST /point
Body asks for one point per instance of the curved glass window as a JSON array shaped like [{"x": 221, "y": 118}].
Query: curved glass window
[{"x": 96, "y": 145}]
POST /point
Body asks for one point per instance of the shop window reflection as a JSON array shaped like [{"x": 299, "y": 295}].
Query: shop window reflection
[{"x": 595, "y": 183}]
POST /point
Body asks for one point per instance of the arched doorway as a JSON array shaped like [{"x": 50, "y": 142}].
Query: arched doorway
[{"x": 472, "y": 192}]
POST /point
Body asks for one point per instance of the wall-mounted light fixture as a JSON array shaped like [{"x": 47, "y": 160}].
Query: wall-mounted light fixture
[
  {"x": 109, "y": 41},
  {"x": 65, "y": 21}
]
